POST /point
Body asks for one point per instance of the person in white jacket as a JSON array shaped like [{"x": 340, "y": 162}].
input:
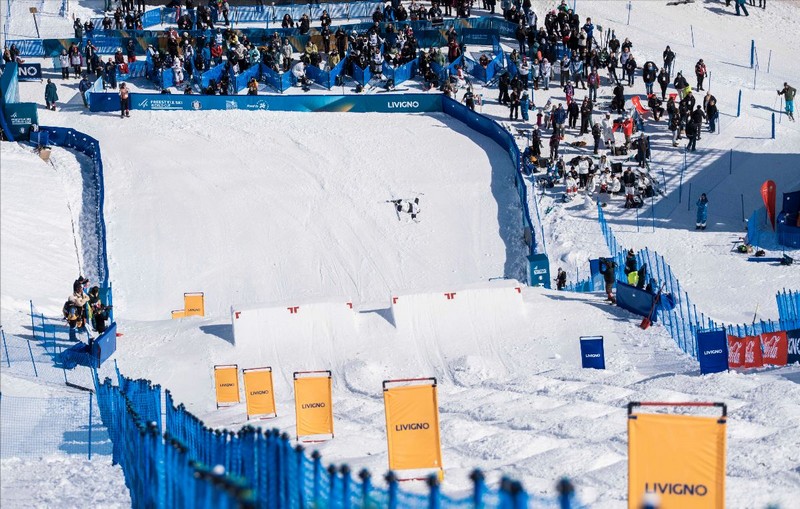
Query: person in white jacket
[
  {"x": 608, "y": 132},
  {"x": 177, "y": 71},
  {"x": 299, "y": 73},
  {"x": 63, "y": 60}
]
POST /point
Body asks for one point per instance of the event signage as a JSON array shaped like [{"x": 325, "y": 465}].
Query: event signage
[
  {"x": 226, "y": 383},
  {"x": 592, "y": 354},
  {"x": 412, "y": 425},
  {"x": 744, "y": 352},
  {"x": 259, "y": 394},
  {"x": 793, "y": 346},
  {"x": 680, "y": 459},
  {"x": 774, "y": 348},
  {"x": 712, "y": 351},
  {"x": 380, "y": 103},
  {"x": 313, "y": 404},
  {"x": 20, "y": 117},
  {"x": 29, "y": 72}
]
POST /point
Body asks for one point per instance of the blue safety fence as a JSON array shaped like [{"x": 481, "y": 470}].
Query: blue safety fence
[
  {"x": 485, "y": 74},
  {"x": 361, "y": 76},
  {"x": 259, "y": 468},
  {"x": 788, "y": 309},
  {"x": 280, "y": 81},
  {"x": 401, "y": 73},
  {"x": 491, "y": 129},
  {"x": 67, "y": 423}
]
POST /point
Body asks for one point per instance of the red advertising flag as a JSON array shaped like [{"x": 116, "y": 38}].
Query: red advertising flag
[
  {"x": 735, "y": 352},
  {"x": 775, "y": 346},
  {"x": 768, "y": 191}
]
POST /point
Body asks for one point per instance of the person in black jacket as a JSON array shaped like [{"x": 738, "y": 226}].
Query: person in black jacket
[
  {"x": 691, "y": 132},
  {"x": 608, "y": 268},
  {"x": 586, "y": 114},
  {"x": 669, "y": 57},
  {"x": 502, "y": 85},
  {"x": 712, "y": 113},
  {"x": 697, "y": 118},
  {"x": 663, "y": 82},
  {"x": 629, "y": 182}
]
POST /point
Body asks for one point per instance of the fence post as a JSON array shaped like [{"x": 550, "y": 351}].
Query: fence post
[
  {"x": 752, "y": 53},
  {"x": 434, "y": 494},
  {"x": 689, "y": 198},
  {"x": 566, "y": 492},
  {"x": 90, "y": 425},
  {"x": 773, "y": 126},
  {"x": 5, "y": 346},
  {"x": 739, "y": 104},
  {"x": 478, "y": 487},
  {"x": 346, "y": 501},
  {"x": 331, "y": 483},
  {"x": 391, "y": 479},
  {"x": 366, "y": 487},
  {"x": 30, "y": 351},
  {"x": 317, "y": 458}
]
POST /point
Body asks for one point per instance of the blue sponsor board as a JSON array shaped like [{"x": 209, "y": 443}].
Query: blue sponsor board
[
  {"x": 29, "y": 72},
  {"x": 592, "y": 354},
  {"x": 793, "y": 336},
  {"x": 539, "y": 270},
  {"x": 712, "y": 351},
  {"x": 384, "y": 103}
]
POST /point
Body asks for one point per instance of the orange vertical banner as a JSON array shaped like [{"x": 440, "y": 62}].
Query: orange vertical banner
[
  {"x": 412, "y": 425},
  {"x": 226, "y": 383},
  {"x": 678, "y": 458},
  {"x": 194, "y": 304},
  {"x": 768, "y": 191},
  {"x": 313, "y": 404},
  {"x": 258, "y": 392}
]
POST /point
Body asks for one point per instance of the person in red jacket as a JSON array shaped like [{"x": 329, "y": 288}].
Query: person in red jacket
[{"x": 701, "y": 72}]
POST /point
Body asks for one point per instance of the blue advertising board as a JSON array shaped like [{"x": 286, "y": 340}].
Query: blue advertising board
[
  {"x": 383, "y": 103},
  {"x": 29, "y": 72},
  {"x": 105, "y": 345},
  {"x": 635, "y": 300},
  {"x": 712, "y": 351},
  {"x": 592, "y": 354},
  {"x": 539, "y": 270},
  {"x": 793, "y": 336}
]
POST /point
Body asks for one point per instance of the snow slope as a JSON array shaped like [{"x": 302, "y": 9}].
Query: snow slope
[{"x": 513, "y": 398}]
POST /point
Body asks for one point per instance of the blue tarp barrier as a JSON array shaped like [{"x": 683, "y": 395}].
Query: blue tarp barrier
[
  {"x": 635, "y": 300},
  {"x": 215, "y": 73},
  {"x": 106, "y": 344},
  {"x": 401, "y": 73},
  {"x": 279, "y": 81},
  {"x": 592, "y": 354},
  {"x": 361, "y": 76},
  {"x": 240, "y": 80},
  {"x": 712, "y": 351}
]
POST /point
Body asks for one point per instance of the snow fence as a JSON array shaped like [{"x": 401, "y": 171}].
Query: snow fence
[{"x": 174, "y": 460}]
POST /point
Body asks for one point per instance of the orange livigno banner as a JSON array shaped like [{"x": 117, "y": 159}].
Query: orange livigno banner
[
  {"x": 313, "y": 405},
  {"x": 412, "y": 427},
  {"x": 258, "y": 392},
  {"x": 226, "y": 382},
  {"x": 678, "y": 459}
]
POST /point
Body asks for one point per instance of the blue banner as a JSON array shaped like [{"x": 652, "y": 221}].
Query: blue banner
[
  {"x": 592, "y": 354},
  {"x": 361, "y": 76},
  {"x": 280, "y": 81},
  {"x": 712, "y": 351},
  {"x": 539, "y": 270},
  {"x": 29, "y": 72},
  {"x": 240, "y": 80},
  {"x": 105, "y": 345},
  {"x": 20, "y": 117},
  {"x": 382, "y": 103},
  {"x": 635, "y": 300},
  {"x": 794, "y": 346},
  {"x": 401, "y": 73}
]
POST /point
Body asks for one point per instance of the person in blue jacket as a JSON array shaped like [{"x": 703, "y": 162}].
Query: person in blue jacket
[
  {"x": 702, "y": 212},
  {"x": 524, "y": 105}
]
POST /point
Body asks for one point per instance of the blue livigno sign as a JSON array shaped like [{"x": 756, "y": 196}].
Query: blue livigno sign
[
  {"x": 29, "y": 72},
  {"x": 20, "y": 116},
  {"x": 539, "y": 270}
]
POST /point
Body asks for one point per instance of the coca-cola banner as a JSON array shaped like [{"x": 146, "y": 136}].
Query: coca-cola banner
[
  {"x": 793, "y": 338},
  {"x": 744, "y": 352},
  {"x": 775, "y": 348}
]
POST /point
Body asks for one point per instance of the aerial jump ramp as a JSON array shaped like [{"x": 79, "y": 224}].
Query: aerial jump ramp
[{"x": 447, "y": 323}]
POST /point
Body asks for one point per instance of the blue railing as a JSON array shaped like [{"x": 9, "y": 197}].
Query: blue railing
[
  {"x": 171, "y": 467},
  {"x": 788, "y": 309}
]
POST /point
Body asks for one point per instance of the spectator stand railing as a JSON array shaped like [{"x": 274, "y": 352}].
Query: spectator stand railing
[{"x": 259, "y": 469}]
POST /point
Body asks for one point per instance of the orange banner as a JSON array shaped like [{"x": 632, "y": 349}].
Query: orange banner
[
  {"x": 412, "y": 427},
  {"x": 226, "y": 381},
  {"x": 775, "y": 347},
  {"x": 194, "y": 304},
  {"x": 313, "y": 404},
  {"x": 258, "y": 392},
  {"x": 678, "y": 458}
]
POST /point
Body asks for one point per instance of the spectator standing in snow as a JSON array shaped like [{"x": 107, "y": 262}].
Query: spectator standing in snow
[
  {"x": 50, "y": 95},
  {"x": 702, "y": 212},
  {"x": 691, "y": 133},
  {"x": 788, "y": 93},
  {"x": 63, "y": 60},
  {"x": 740, "y": 5},
  {"x": 701, "y": 72},
  {"x": 84, "y": 87},
  {"x": 609, "y": 275},
  {"x": 561, "y": 279},
  {"x": 124, "y": 101},
  {"x": 712, "y": 113},
  {"x": 669, "y": 58}
]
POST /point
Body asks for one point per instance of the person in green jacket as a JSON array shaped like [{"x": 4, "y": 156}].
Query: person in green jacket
[
  {"x": 50, "y": 95},
  {"x": 788, "y": 93}
]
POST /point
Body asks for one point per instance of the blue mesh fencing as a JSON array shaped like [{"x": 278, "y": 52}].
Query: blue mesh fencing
[
  {"x": 788, "y": 309},
  {"x": 188, "y": 463}
]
